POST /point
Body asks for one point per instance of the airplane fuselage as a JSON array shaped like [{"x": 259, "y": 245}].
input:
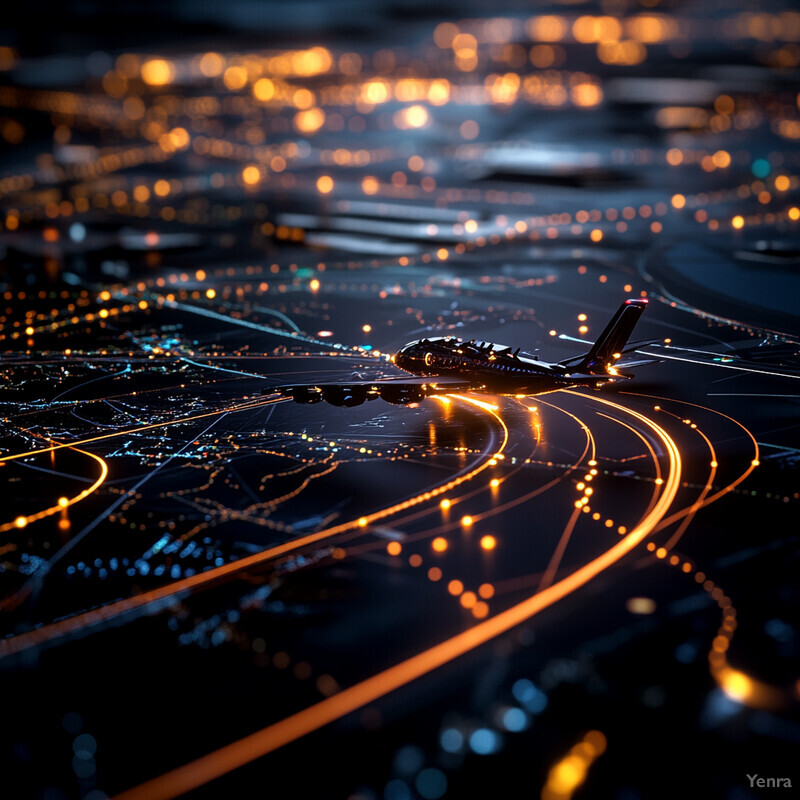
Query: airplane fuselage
[
  {"x": 444, "y": 364},
  {"x": 488, "y": 367}
]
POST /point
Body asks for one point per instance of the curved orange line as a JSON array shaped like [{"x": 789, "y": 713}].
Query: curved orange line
[{"x": 7, "y": 526}]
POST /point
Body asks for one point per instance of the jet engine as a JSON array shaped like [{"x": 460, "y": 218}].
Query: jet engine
[
  {"x": 306, "y": 394},
  {"x": 402, "y": 395},
  {"x": 345, "y": 396}
]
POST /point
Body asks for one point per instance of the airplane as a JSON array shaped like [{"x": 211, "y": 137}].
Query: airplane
[{"x": 447, "y": 364}]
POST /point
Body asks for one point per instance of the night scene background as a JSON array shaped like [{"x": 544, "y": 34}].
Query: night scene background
[{"x": 209, "y": 590}]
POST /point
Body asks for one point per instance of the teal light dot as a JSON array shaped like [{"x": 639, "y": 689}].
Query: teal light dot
[{"x": 761, "y": 168}]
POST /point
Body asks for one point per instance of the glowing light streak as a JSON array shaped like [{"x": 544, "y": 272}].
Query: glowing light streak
[
  {"x": 728, "y": 366},
  {"x": 729, "y": 487},
  {"x": 652, "y": 456},
  {"x": 68, "y": 501}
]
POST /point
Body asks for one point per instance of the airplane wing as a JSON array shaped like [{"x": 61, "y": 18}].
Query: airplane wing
[{"x": 400, "y": 391}]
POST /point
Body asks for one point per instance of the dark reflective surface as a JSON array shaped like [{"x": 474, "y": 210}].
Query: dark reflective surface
[{"x": 589, "y": 593}]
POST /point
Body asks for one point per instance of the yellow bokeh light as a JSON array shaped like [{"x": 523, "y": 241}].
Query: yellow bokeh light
[
  {"x": 412, "y": 117},
  {"x": 235, "y": 78},
  {"x": 157, "y": 72},
  {"x": 263, "y": 89},
  {"x": 311, "y": 62},
  {"x": 721, "y": 159},
  {"x": 439, "y": 92},
  {"x": 303, "y": 99},
  {"x": 736, "y": 685},
  {"x": 548, "y": 28},
  {"x": 370, "y": 185},
  {"x": 625, "y": 54},
  {"x": 444, "y": 33},
  {"x": 251, "y": 175},
  {"x": 375, "y": 92},
  {"x": 455, "y": 587},
  {"x": 651, "y": 28},
  {"x": 309, "y": 121},
  {"x": 586, "y": 94},
  {"x": 588, "y": 29},
  {"x": 567, "y": 775},
  {"x": 674, "y": 156},
  {"x": 641, "y": 605},
  {"x": 212, "y": 64}
]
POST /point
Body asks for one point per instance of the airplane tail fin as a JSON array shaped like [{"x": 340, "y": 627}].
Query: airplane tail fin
[{"x": 611, "y": 342}]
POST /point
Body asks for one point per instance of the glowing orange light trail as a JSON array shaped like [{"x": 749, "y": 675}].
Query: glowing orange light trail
[
  {"x": 729, "y": 487},
  {"x": 701, "y": 501},
  {"x": 236, "y": 754},
  {"x": 652, "y": 455},
  {"x": 7, "y": 526}
]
